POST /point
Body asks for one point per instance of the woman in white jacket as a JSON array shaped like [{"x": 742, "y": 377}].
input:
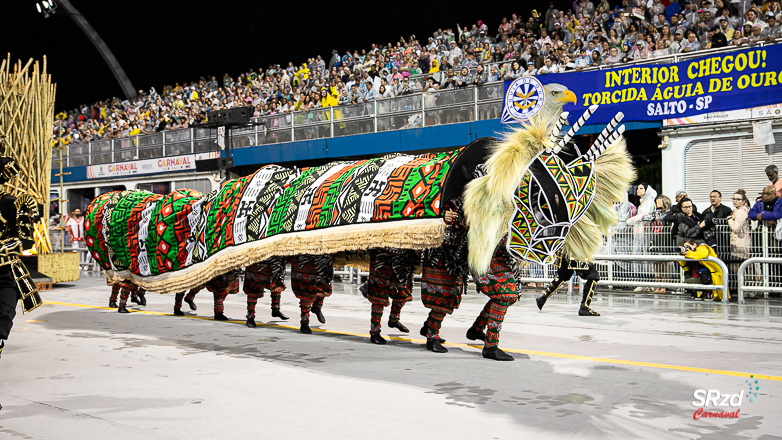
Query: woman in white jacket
[{"x": 640, "y": 236}]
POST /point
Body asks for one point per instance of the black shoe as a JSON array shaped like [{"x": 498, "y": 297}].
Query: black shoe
[
  {"x": 399, "y": 326},
  {"x": 586, "y": 311},
  {"x": 191, "y": 303},
  {"x": 276, "y": 313},
  {"x": 122, "y": 309},
  {"x": 541, "y": 300},
  {"x": 425, "y": 333},
  {"x": 435, "y": 346},
  {"x": 305, "y": 328},
  {"x": 220, "y": 317},
  {"x": 474, "y": 333},
  {"x": 134, "y": 299},
  {"x": 113, "y": 304},
  {"x": 364, "y": 289},
  {"x": 142, "y": 300},
  {"x": 375, "y": 338},
  {"x": 250, "y": 323},
  {"x": 496, "y": 354},
  {"x": 179, "y": 312},
  {"x": 319, "y": 314}
]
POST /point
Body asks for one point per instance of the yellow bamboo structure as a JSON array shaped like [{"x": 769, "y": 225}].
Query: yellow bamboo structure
[{"x": 26, "y": 117}]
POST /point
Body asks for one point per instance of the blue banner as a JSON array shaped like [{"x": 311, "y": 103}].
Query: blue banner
[{"x": 653, "y": 92}]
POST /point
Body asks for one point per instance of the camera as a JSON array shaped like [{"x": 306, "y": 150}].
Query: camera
[{"x": 683, "y": 250}]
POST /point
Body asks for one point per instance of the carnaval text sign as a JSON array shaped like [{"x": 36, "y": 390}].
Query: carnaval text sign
[
  {"x": 148, "y": 166},
  {"x": 654, "y": 92}
]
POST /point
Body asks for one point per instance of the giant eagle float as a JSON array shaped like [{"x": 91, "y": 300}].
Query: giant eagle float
[{"x": 533, "y": 186}]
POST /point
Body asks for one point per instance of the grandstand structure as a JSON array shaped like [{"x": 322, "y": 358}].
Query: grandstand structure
[{"x": 418, "y": 122}]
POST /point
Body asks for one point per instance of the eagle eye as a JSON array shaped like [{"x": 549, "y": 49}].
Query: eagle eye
[{"x": 555, "y": 93}]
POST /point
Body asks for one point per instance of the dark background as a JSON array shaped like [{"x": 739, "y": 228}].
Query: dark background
[{"x": 162, "y": 42}]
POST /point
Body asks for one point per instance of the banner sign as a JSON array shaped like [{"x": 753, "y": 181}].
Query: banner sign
[
  {"x": 654, "y": 92},
  {"x": 148, "y": 166},
  {"x": 754, "y": 113}
]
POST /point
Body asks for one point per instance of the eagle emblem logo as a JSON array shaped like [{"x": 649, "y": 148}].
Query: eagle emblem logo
[{"x": 524, "y": 98}]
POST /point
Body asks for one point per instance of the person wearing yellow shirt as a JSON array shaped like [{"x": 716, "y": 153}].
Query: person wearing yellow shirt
[
  {"x": 435, "y": 66},
  {"x": 708, "y": 272},
  {"x": 329, "y": 98}
]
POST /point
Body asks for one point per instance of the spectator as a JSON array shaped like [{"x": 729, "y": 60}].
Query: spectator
[
  {"x": 660, "y": 238},
  {"x": 718, "y": 39},
  {"x": 75, "y": 227},
  {"x": 740, "y": 240},
  {"x": 692, "y": 44},
  {"x": 647, "y": 196},
  {"x": 773, "y": 176},
  {"x": 622, "y": 233},
  {"x": 715, "y": 211},
  {"x": 689, "y": 222},
  {"x": 699, "y": 271},
  {"x": 768, "y": 208}
]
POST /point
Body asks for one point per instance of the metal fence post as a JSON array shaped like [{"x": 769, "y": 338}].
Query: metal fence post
[
  {"x": 192, "y": 140},
  {"x": 68, "y": 156},
  {"x": 764, "y": 241},
  {"x": 423, "y": 110},
  {"x": 89, "y": 153},
  {"x": 111, "y": 143},
  {"x": 374, "y": 112},
  {"x": 137, "y": 147},
  {"x": 475, "y": 100},
  {"x": 163, "y": 134},
  {"x": 609, "y": 243},
  {"x": 293, "y": 122},
  {"x": 331, "y": 120}
]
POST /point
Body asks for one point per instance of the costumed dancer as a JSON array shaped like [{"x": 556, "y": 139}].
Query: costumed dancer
[
  {"x": 390, "y": 277},
  {"x": 270, "y": 275},
  {"x": 444, "y": 276},
  {"x": 129, "y": 289},
  {"x": 221, "y": 286},
  {"x": 311, "y": 282},
  {"x": 566, "y": 267},
  {"x": 499, "y": 284},
  {"x": 115, "y": 291},
  {"x": 17, "y": 216},
  {"x": 188, "y": 297},
  {"x": 541, "y": 199}
]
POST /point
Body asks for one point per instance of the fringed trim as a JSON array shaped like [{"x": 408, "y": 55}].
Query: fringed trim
[{"x": 402, "y": 234}]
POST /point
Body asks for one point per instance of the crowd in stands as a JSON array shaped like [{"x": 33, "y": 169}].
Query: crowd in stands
[
  {"x": 588, "y": 34},
  {"x": 658, "y": 225}
]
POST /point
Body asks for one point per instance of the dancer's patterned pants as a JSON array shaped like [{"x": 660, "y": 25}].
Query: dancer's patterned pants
[
  {"x": 384, "y": 288},
  {"x": 127, "y": 288},
  {"x": 190, "y": 296},
  {"x": 260, "y": 276},
  {"x": 311, "y": 282},
  {"x": 500, "y": 286},
  {"x": 441, "y": 292},
  {"x": 115, "y": 288},
  {"x": 222, "y": 286}
]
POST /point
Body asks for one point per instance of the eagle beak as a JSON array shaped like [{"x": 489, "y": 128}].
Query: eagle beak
[{"x": 569, "y": 97}]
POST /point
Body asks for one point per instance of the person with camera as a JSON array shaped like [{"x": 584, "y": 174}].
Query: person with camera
[{"x": 699, "y": 271}]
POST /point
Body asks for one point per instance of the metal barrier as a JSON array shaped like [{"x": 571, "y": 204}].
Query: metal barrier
[
  {"x": 765, "y": 288},
  {"x": 666, "y": 258}
]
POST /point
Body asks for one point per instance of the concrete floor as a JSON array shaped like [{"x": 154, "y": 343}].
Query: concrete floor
[{"x": 81, "y": 371}]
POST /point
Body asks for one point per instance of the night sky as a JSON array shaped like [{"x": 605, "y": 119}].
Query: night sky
[{"x": 162, "y": 42}]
